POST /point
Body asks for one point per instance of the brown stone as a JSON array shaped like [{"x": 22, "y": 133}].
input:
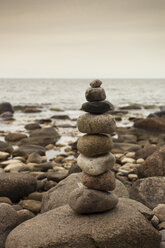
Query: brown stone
[
  {"x": 105, "y": 182},
  {"x": 93, "y": 145}
]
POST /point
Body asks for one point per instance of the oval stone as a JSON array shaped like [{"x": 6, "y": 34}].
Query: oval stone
[
  {"x": 85, "y": 201},
  {"x": 96, "y": 83},
  {"x": 94, "y": 144},
  {"x": 97, "y": 107},
  {"x": 97, "y": 165},
  {"x": 105, "y": 182},
  {"x": 91, "y": 123},
  {"x": 95, "y": 94}
]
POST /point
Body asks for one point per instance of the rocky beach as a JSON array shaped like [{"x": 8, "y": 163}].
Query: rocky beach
[{"x": 113, "y": 177}]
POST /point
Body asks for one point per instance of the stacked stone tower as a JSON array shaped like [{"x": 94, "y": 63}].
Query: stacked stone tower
[{"x": 93, "y": 194}]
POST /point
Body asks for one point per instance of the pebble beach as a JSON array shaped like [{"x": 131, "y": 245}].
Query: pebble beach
[{"x": 41, "y": 164}]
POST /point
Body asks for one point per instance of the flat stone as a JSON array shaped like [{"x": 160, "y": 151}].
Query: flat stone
[
  {"x": 95, "y": 94},
  {"x": 159, "y": 211},
  {"x": 13, "y": 137},
  {"x": 94, "y": 144},
  {"x": 58, "y": 175},
  {"x": 98, "y": 107},
  {"x": 28, "y": 149},
  {"x": 84, "y": 201},
  {"x": 95, "y": 166},
  {"x": 96, "y": 83},
  {"x": 62, "y": 228},
  {"x": 105, "y": 182},
  {"x": 93, "y": 124}
]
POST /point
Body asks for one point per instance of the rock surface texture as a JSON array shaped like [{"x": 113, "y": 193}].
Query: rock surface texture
[
  {"x": 124, "y": 226},
  {"x": 95, "y": 159}
]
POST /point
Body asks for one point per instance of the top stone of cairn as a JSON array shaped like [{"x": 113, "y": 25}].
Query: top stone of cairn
[{"x": 96, "y": 83}]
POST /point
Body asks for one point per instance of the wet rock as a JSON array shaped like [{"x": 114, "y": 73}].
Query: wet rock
[
  {"x": 84, "y": 201},
  {"x": 31, "y": 110},
  {"x": 149, "y": 191},
  {"x": 8, "y": 221},
  {"x": 5, "y": 147},
  {"x": 52, "y": 199},
  {"x": 43, "y": 167},
  {"x": 132, "y": 106},
  {"x": 61, "y": 117},
  {"x": 5, "y": 200},
  {"x": 151, "y": 124},
  {"x": 6, "y": 107},
  {"x": 123, "y": 225},
  {"x": 125, "y": 147},
  {"x": 94, "y": 145},
  {"x": 16, "y": 185},
  {"x": 93, "y": 124},
  {"x": 32, "y": 126},
  {"x": 13, "y": 137}
]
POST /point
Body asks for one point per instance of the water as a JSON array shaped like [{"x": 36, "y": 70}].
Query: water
[{"x": 68, "y": 94}]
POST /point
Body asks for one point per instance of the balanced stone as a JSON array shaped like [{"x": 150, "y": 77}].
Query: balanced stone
[
  {"x": 95, "y": 94},
  {"x": 105, "y": 182},
  {"x": 92, "y": 123},
  {"x": 84, "y": 201},
  {"x": 97, "y": 107},
  {"x": 96, "y": 83},
  {"x": 96, "y": 166},
  {"x": 94, "y": 144}
]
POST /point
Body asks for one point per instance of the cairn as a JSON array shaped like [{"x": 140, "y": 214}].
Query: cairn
[{"x": 93, "y": 194}]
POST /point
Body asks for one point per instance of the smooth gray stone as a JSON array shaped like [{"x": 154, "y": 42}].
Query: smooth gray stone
[{"x": 95, "y": 94}]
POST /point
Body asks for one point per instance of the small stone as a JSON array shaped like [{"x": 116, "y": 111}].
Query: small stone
[
  {"x": 99, "y": 107},
  {"x": 132, "y": 177},
  {"x": 4, "y": 155},
  {"x": 163, "y": 235},
  {"x": 84, "y": 201},
  {"x": 5, "y": 200},
  {"x": 58, "y": 175},
  {"x": 155, "y": 221},
  {"x": 95, "y": 94},
  {"x": 105, "y": 182},
  {"x": 24, "y": 214},
  {"x": 94, "y": 144},
  {"x": 130, "y": 155},
  {"x": 32, "y": 205},
  {"x": 159, "y": 211},
  {"x": 118, "y": 155},
  {"x": 96, "y": 83},
  {"x": 140, "y": 161},
  {"x": 127, "y": 160},
  {"x": 93, "y": 124},
  {"x": 34, "y": 158},
  {"x": 95, "y": 166}
]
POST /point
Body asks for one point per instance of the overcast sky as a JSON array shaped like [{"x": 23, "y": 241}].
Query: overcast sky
[{"x": 82, "y": 38}]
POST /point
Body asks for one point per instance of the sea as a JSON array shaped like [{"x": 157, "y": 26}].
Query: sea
[{"x": 69, "y": 94}]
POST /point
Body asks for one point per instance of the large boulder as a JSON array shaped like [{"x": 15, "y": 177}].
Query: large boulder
[
  {"x": 16, "y": 185},
  {"x": 154, "y": 165},
  {"x": 61, "y": 228},
  {"x": 41, "y": 137},
  {"x": 6, "y": 107},
  {"x": 8, "y": 221},
  {"x": 149, "y": 191},
  {"x": 151, "y": 124},
  {"x": 59, "y": 195}
]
